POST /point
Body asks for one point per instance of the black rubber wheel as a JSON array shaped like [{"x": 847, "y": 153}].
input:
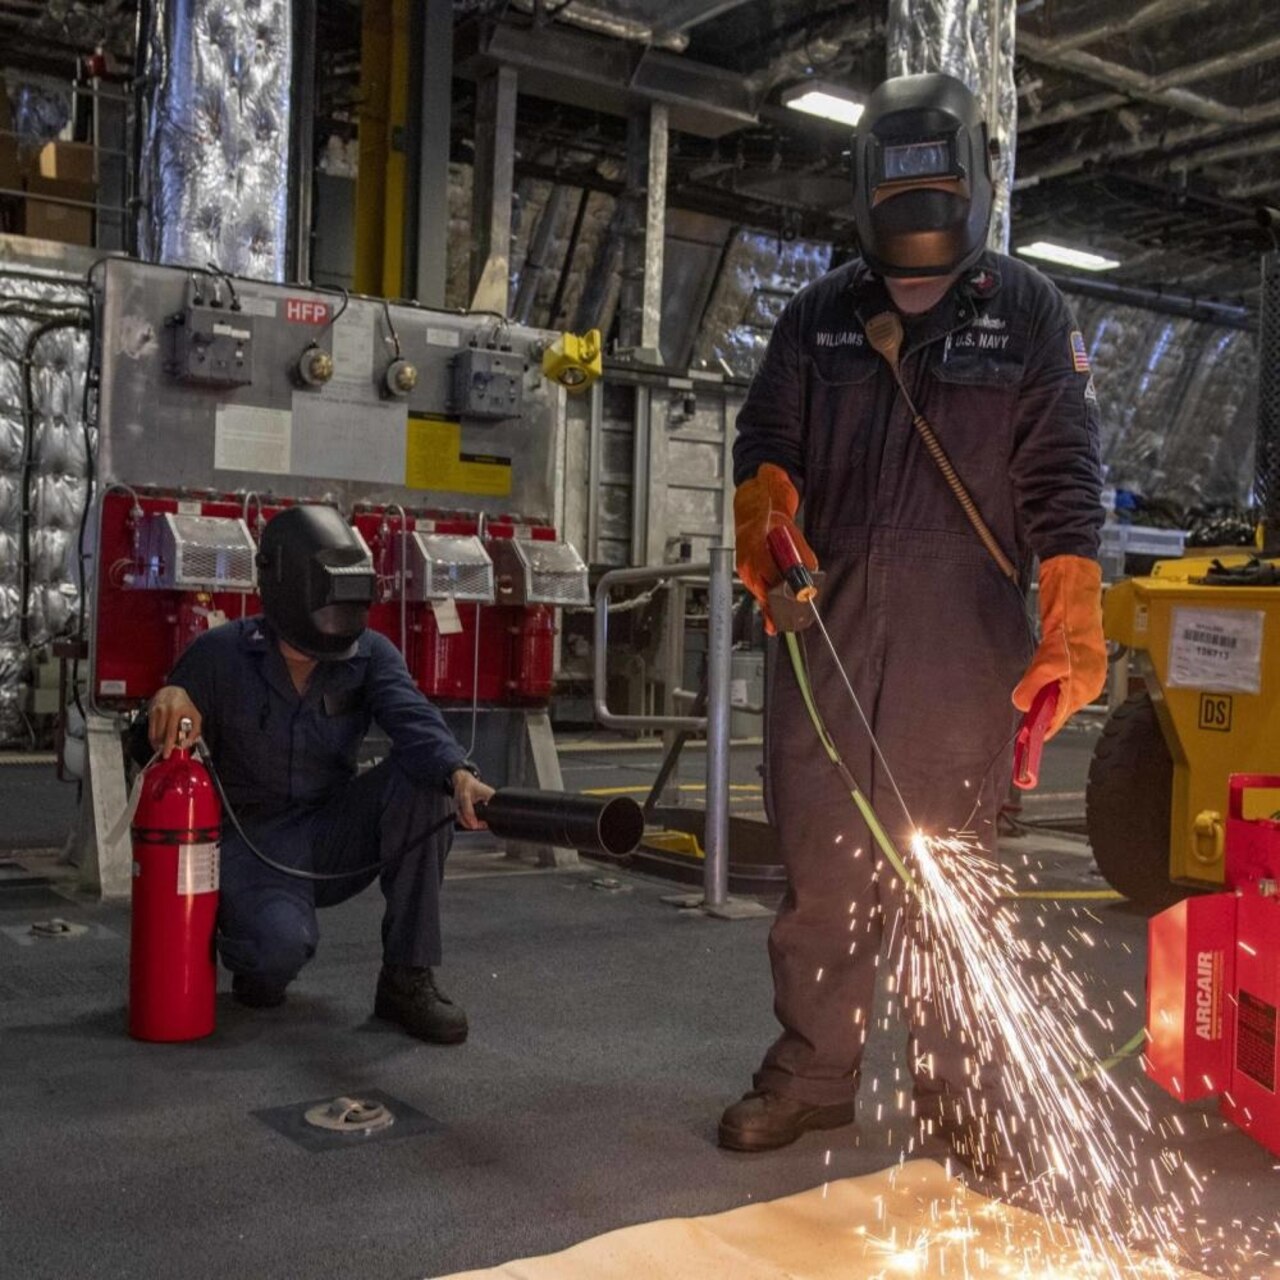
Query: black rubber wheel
[{"x": 1127, "y": 805}]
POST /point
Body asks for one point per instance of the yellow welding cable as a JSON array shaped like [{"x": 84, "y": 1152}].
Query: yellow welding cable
[
  {"x": 800, "y": 667},
  {"x": 878, "y": 833}
]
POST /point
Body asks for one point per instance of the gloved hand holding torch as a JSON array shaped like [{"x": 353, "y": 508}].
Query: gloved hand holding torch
[
  {"x": 1073, "y": 649},
  {"x": 765, "y": 502}
]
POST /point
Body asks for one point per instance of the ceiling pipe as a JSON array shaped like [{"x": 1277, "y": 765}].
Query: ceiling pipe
[
  {"x": 1174, "y": 304},
  {"x": 1188, "y": 135},
  {"x": 814, "y": 50},
  {"x": 684, "y": 14},
  {"x": 1072, "y": 110},
  {"x": 1148, "y": 16},
  {"x": 597, "y": 18},
  {"x": 1228, "y": 151},
  {"x": 1247, "y": 190},
  {"x": 1133, "y": 83}
]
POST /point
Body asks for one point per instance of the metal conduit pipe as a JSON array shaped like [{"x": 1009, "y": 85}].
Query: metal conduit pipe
[
  {"x": 1149, "y": 15},
  {"x": 1264, "y": 113},
  {"x": 1173, "y": 304}
]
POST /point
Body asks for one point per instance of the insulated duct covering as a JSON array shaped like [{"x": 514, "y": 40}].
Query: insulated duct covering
[
  {"x": 215, "y": 162},
  {"x": 973, "y": 41},
  {"x": 44, "y": 355}
]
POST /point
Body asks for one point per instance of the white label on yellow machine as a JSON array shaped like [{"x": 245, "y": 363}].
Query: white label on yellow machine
[
  {"x": 197, "y": 868},
  {"x": 1218, "y": 650}
]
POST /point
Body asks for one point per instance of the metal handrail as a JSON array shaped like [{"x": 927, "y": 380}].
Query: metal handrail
[
  {"x": 600, "y": 690},
  {"x": 719, "y": 572}
]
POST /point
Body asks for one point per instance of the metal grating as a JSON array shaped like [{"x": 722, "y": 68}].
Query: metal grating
[
  {"x": 554, "y": 573},
  {"x": 448, "y": 566},
  {"x": 199, "y": 553}
]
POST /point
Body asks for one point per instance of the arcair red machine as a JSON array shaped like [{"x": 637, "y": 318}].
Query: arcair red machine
[
  {"x": 1213, "y": 977},
  {"x": 176, "y": 832}
]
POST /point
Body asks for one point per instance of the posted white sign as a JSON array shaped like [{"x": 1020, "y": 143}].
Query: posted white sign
[{"x": 1218, "y": 650}]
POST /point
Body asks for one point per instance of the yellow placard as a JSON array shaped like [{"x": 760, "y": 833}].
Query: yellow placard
[{"x": 434, "y": 460}]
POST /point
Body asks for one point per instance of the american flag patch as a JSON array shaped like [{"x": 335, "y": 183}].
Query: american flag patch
[{"x": 1079, "y": 356}]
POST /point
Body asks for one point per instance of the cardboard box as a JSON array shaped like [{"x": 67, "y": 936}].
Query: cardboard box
[
  {"x": 69, "y": 224},
  {"x": 68, "y": 162}
]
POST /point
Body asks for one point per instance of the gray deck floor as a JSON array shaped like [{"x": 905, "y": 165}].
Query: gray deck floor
[{"x": 608, "y": 1030}]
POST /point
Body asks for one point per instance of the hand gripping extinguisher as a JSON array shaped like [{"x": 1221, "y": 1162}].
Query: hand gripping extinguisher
[{"x": 176, "y": 829}]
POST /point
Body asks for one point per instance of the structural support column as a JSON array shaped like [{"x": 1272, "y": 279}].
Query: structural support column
[
  {"x": 719, "y": 657},
  {"x": 640, "y": 317},
  {"x": 427, "y": 223},
  {"x": 495, "y": 144},
  {"x": 110, "y": 140},
  {"x": 302, "y": 141}
]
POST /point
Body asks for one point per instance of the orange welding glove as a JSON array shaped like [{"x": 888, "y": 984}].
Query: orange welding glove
[
  {"x": 760, "y": 504},
  {"x": 1073, "y": 650}
]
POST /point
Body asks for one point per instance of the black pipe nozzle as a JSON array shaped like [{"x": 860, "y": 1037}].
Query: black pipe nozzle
[{"x": 612, "y": 825}]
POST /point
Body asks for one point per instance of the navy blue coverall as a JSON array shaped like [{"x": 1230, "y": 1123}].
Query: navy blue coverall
[
  {"x": 933, "y": 635},
  {"x": 288, "y": 764}
]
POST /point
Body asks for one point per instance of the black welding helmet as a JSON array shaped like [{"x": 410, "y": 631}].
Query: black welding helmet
[
  {"x": 922, "y": 193},
  {"x": 316, "y": 581}
]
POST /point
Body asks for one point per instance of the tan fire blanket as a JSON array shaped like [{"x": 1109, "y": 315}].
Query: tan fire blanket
[{"x": 909, "y": 1220}]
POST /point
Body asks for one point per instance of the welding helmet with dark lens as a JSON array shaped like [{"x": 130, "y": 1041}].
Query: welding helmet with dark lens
[
  {"x": 922, "y": 177},
  {"x": 316, "y": 581}
]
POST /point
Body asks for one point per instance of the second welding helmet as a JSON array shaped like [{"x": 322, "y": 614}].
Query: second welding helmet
[
  {"x": 923, "y": 194},
  {"x": 316, "y": 581}
]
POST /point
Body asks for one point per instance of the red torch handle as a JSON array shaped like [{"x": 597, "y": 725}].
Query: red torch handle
[
  {"x": 783, "y": 549},
  {"x": 1029, "y": 744}
]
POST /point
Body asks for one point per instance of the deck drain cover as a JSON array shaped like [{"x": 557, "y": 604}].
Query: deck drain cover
[
  {"x": 57, "y": 928},
  {"x": 350, "y": 1115}
]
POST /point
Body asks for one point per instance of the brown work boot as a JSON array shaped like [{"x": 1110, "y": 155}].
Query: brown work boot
[
  {"x": 763, "y": 1121},
  {"x": 985, "y": 1144}
]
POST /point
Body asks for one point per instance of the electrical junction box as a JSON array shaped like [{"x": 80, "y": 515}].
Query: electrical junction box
[
  {"x": 211, "y": 346},
  {"x": 488, "y": 383}
]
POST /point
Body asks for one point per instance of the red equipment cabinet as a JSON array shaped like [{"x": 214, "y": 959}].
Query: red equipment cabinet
[
  {"x": 176, "y": 833},
  {"x": 140, "y": 632},
  {"x": 1213, "y": 987}
]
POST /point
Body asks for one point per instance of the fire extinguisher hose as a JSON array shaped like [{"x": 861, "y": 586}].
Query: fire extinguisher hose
[{"x": 299, "y": 873}]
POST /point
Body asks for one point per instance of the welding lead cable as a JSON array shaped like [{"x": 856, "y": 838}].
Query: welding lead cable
[
  {"x": 874, "y": 825},
  {"x": 895, "y": 859},
  {"x": 298, "y": 873},
  {"x": 884, "y": 333},
  {"x": 862, "y": 715}
]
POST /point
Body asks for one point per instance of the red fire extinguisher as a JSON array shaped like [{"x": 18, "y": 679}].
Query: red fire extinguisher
[{"x": 176, "y": 830}]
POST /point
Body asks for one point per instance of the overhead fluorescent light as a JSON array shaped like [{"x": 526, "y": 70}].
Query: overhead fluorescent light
[
  {"x": 821, "y": 98},
  {"x": 1067, "y": 256}
]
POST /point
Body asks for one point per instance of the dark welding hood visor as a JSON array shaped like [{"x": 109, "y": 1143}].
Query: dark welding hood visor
[
  {"x": 316, "y": 581},
  {"x": 922, "y": 178}
]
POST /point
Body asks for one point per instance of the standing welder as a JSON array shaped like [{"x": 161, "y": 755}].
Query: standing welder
[
  {"x": 933, "y": 632},
  {"x": 282, "y": 702}
]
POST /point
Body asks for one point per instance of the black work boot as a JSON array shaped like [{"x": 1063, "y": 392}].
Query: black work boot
[
  {"x": 411, "y": 997},
  {"x": 764, "y": 1121},
  {"x": 256, "y": 992}
]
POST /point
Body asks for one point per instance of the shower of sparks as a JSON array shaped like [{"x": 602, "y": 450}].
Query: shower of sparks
[{"x": 1060, "y": 1139}]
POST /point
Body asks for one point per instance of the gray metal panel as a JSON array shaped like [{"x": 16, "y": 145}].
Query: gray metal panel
[{"x": 160, "y": 432}]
